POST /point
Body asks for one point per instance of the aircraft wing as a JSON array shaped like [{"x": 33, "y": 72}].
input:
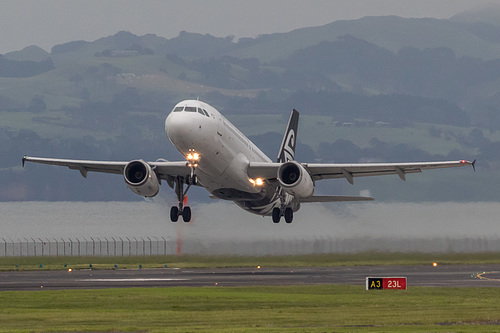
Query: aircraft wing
[
  {"x": 320, "y": 171},
  {"x": 164, "y": 169}
]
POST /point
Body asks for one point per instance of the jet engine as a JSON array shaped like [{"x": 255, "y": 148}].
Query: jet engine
[
  {"x": 141, "y": 178},
  {"x": 295, "y": 179}
]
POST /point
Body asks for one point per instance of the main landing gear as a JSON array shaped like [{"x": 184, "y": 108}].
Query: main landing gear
[
  {"x": 279, "y": 212},
  {"x": 282, "y": 210},
  {"x": 182, "y": 208}
]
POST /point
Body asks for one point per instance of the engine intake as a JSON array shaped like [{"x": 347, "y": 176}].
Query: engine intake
[
  {"x": 141, "y": 179},
  {"x": 295, "y": 179}
]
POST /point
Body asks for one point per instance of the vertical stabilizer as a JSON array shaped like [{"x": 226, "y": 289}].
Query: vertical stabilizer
[{"x": 287, "y": 150}]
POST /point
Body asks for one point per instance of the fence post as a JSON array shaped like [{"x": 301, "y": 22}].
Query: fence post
[
  {"x": 41, "y": 241},
  {"x": 129, "y": 247},
  {"x": 150, "y": 245},
  {"x": 157, "y": 245},
  {"x": 57, "y": 247},
  {"x": 114, "y": 245},
  {"x": 78, "y": 246},
  {"x": 100, "y": 247},
  {"x": 121, "y": 240},
  {"x": 27, "y": 246},
  {"x": 107, "y": 246},
  {"x": 86, "y": 246},
  {"x": 136, "y": 244},
  {"x": 93, "y": 246},
  {"x": 34, "y": 245}
]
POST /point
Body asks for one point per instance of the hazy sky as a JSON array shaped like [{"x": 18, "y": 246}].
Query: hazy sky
[{"x": 49, "y": 22}]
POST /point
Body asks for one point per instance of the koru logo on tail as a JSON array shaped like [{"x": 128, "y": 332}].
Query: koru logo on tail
[{"x": 289, "y": 149}]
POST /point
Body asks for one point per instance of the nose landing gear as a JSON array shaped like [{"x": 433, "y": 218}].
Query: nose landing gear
[{"x": 182, "y": 208}]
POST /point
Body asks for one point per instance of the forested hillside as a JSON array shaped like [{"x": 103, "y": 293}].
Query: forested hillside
[{"x": 374, "y": 89}]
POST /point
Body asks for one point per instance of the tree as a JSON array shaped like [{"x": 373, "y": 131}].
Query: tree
[{"x": 37, "y": 104}]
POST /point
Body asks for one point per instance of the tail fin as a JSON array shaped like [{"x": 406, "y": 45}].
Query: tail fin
[{"x": 287, "y": 150}]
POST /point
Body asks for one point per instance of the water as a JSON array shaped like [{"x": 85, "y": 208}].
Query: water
[{"x": 222, "y": 228}]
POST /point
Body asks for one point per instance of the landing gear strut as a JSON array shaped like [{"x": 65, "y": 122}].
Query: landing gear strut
[
  {"x": 286, "y": 212},
  {"x": 182, "y": 208}
]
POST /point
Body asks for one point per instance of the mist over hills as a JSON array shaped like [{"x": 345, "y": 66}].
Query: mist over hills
[{"x": 373, "y": 89}]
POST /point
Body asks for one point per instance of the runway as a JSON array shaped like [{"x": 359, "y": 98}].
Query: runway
[{"x": 429, "y": 276}]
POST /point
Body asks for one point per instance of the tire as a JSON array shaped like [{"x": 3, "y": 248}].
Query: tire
[
  {"x": 276, "y": 215},
  {"x": 288, "y": 215},
  {"x": 174, "y": 214},
  {"x": 186, "y": 214}
]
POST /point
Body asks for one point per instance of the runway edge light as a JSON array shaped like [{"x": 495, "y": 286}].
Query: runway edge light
[{"x": 384, "y": 283}]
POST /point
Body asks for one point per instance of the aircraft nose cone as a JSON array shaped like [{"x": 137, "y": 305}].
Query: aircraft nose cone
[
  {"x": 175, "y": 126},
  {"x": 180, "y": 130}
]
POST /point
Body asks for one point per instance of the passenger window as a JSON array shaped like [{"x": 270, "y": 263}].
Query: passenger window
[
  {"x": 178, "y": 108},
  {"x": 190, "y": 109}
]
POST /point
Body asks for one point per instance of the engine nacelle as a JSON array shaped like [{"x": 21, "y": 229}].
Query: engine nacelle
[
  {"x": 295, "y": 179},
  {"x": 141, "y": 178}
]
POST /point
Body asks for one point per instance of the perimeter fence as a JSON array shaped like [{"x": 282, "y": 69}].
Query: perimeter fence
[
  {"x": 93, "y": 246},
  {"x": 165, "y": 245}
]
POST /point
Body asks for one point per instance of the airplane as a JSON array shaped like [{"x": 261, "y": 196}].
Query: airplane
[{"x": 230, "y": 167}]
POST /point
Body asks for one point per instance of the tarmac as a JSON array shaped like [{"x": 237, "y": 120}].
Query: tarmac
[{"x": 457, "y": 276}]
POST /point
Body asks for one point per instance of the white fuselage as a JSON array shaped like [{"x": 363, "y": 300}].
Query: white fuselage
[{"x": 225, "y": 154}]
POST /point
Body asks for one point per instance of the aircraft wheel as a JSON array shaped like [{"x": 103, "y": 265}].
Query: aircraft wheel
[
  {"x": 186, "y": 214},
  {"x": 276, "y": 215},
  {"x": 288, "y": 215},
  {"x": 174, "y": 214}
]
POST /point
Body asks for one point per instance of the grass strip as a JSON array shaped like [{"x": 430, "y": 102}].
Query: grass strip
[
  {"x": 186, "y": 261},
  {"x": 266, "y": 309}
]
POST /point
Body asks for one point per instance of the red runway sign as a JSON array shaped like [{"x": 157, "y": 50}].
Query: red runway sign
[{"x": 385, "y": 283}]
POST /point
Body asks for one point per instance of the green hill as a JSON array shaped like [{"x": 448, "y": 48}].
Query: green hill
[{"x": 373, "y": 89}]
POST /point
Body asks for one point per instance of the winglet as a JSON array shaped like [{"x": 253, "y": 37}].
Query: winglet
[
  {"x": 287, "y": 150},
  {"x": 24, "y": 160},
  {"x": 474, "y": 165}
]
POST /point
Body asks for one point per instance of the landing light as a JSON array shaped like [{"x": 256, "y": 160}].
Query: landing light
[
  {"x": 193, "y": 156},
  {"x": 256, "y": 182}
]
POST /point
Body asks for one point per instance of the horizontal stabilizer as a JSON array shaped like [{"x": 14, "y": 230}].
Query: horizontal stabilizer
[{"x": 334, "y": 198}]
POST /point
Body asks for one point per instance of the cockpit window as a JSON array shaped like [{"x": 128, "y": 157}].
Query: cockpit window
[
  {"x": 178, "y": 108},
  {"x": 190, "y": 109},
  {"x": 200, "y": 111},
  {"x": 206, "y": 113}
]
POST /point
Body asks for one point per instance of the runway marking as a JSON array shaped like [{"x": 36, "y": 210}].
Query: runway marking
[
  {"x": 481, "y": 276},
  {"x": 132, "y": 280}
]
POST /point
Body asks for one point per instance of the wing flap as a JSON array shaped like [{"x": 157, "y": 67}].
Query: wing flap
[
  {"x": 334, "y": 198},
  {"x": 263, "y": 170},
  {"x": 349, "y": 171},
  {"x": 164, "y": 169},
  {"x": 81, "y": 165}
]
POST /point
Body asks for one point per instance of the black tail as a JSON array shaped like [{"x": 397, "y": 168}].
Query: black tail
[{"x": 287, "y": 150}]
